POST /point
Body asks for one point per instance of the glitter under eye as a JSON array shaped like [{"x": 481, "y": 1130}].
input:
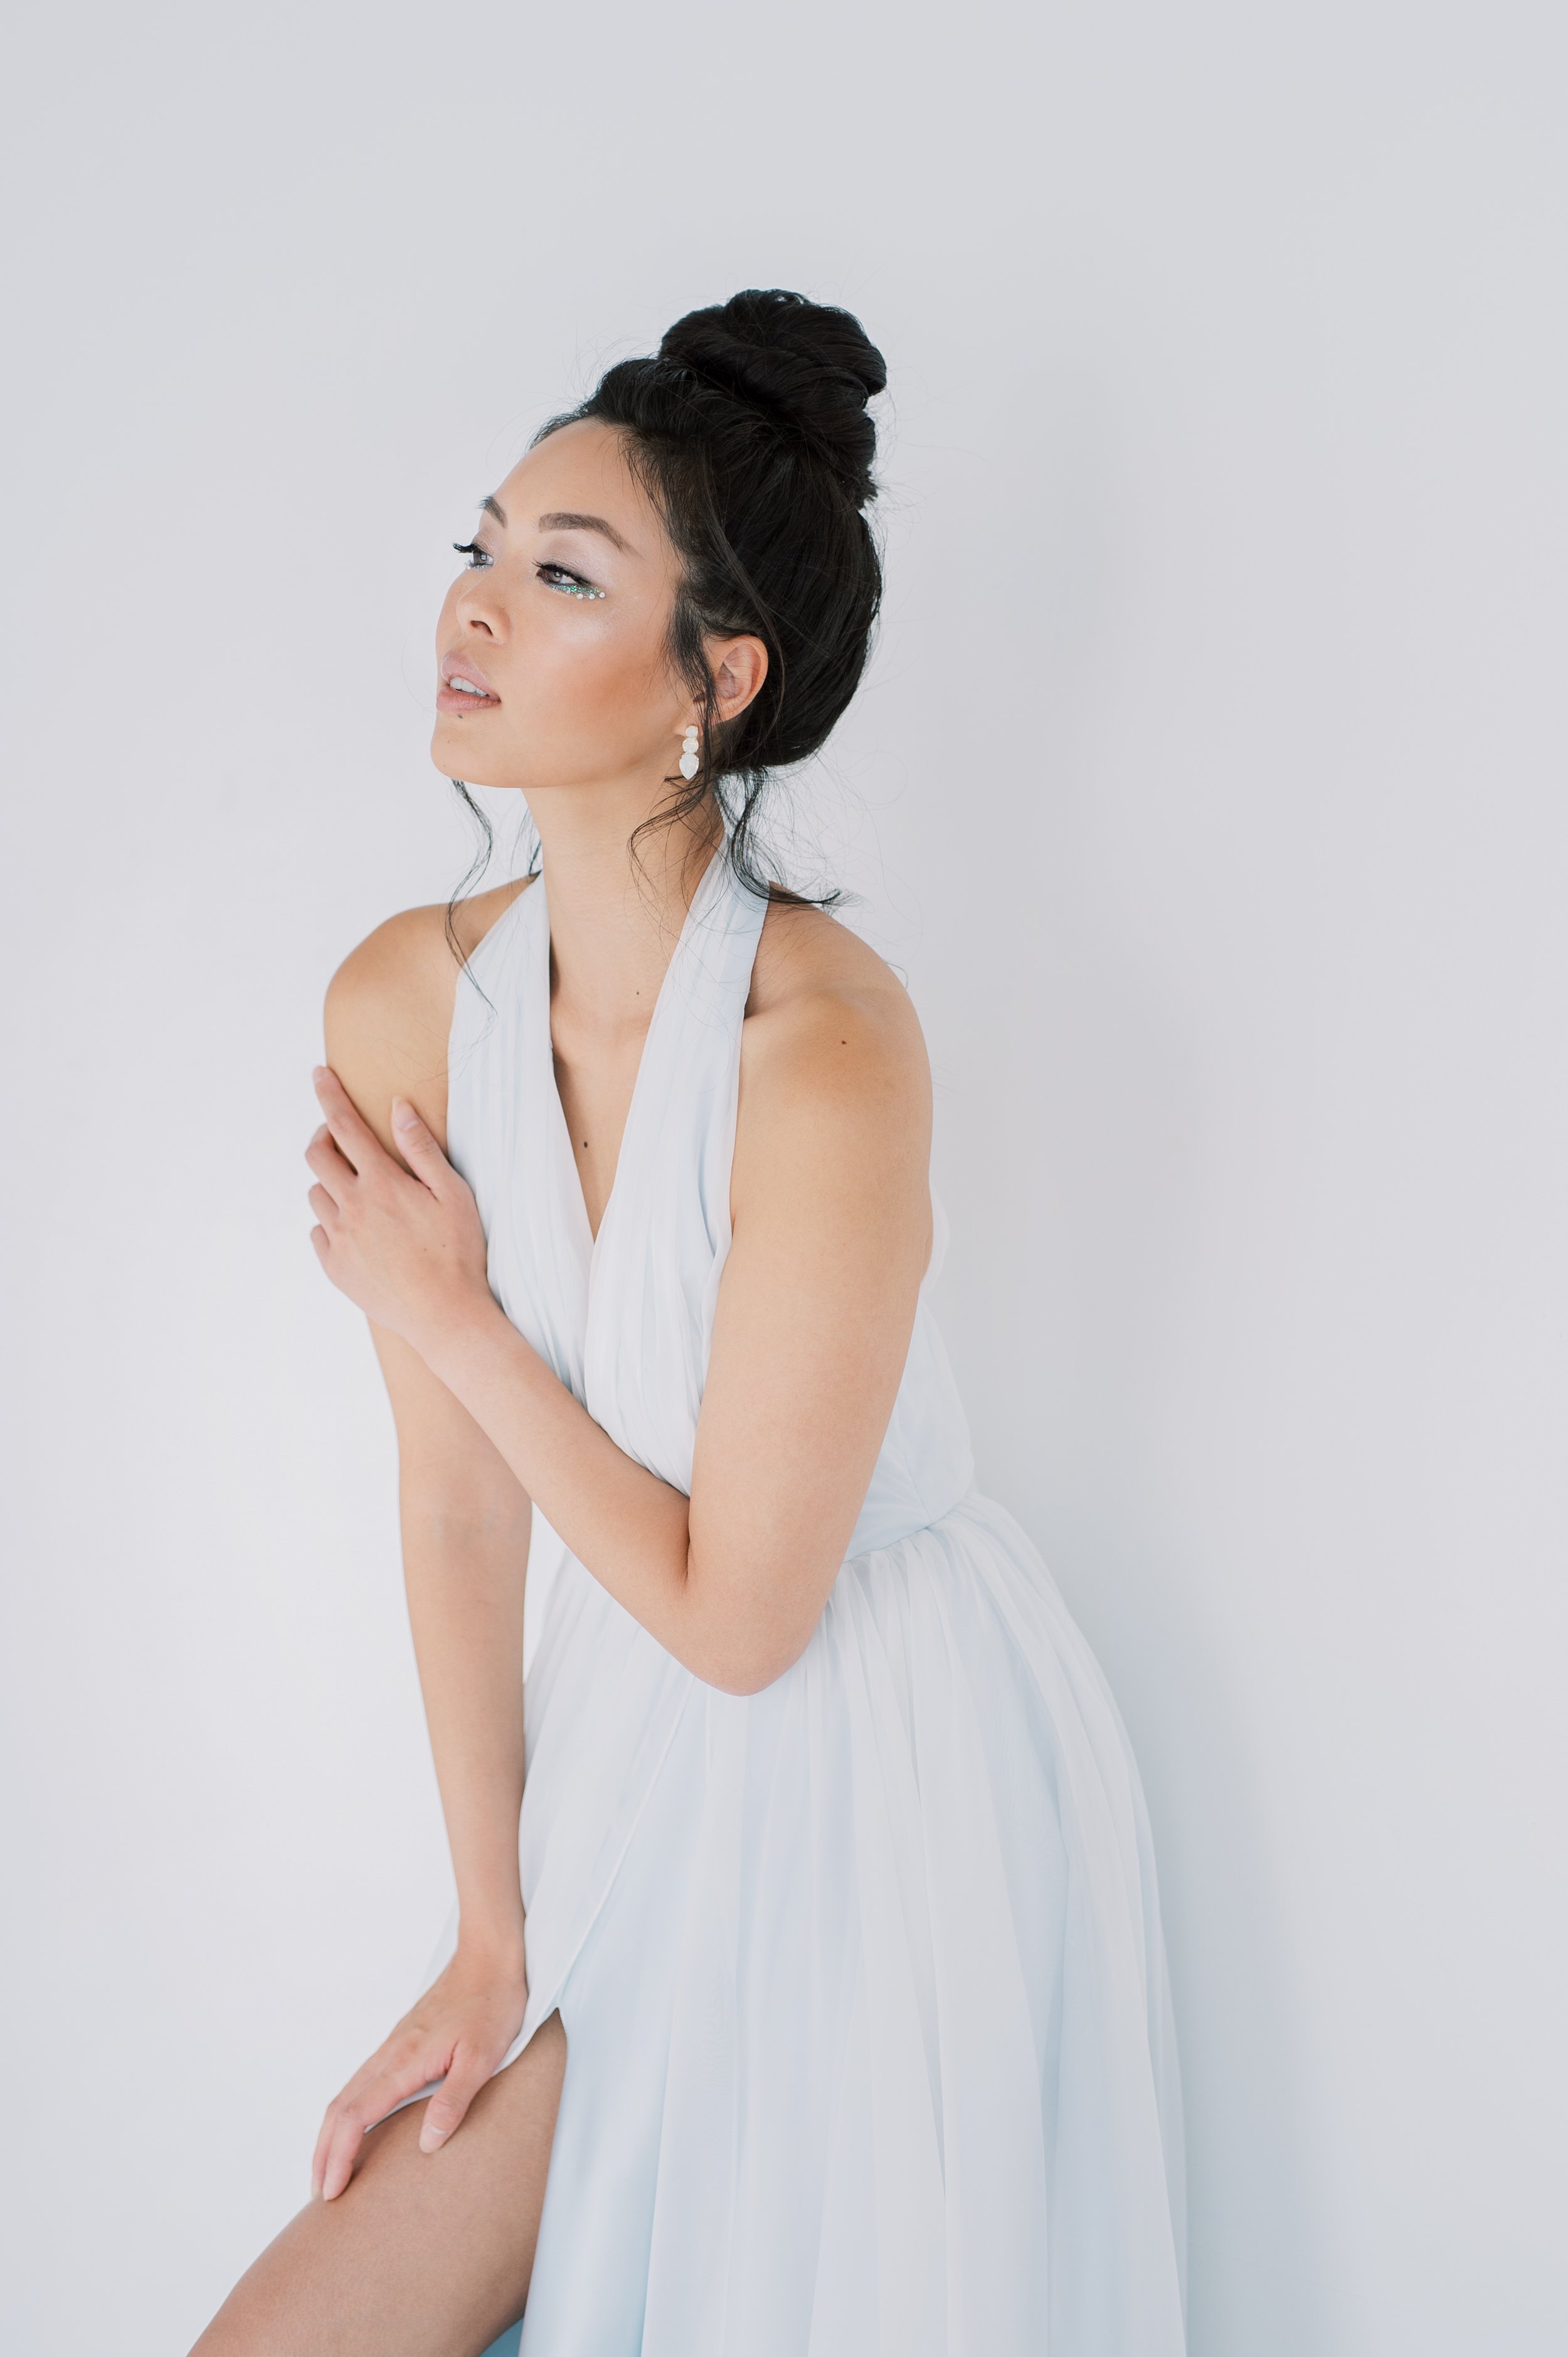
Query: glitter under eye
[{"x": 570, "y": 584}]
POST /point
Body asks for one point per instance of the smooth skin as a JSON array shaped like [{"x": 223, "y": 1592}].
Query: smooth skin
[{"x": 418, "y": 2240}]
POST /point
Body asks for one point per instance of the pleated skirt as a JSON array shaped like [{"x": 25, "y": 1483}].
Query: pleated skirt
[{"x": 869, "y": 2046}]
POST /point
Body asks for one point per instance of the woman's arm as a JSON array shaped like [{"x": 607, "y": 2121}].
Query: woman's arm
[
  {"x": 465, "y": 1523},
  {"x": 831, "y": 1219}
]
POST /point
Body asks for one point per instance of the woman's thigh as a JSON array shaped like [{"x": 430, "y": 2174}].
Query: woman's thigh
[{"x": 424, "y": 2254}]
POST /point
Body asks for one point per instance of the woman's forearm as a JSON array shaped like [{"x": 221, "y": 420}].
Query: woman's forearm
[
  {"x": 464, "y": 1578},
  {"x": 407, "y": 1245},
  {"x": 734, "y": 1586},
  {"x": 630, "y": 1528}
]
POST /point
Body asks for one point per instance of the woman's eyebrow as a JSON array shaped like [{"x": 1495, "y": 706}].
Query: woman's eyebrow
[{"x": 563, "y": 520}]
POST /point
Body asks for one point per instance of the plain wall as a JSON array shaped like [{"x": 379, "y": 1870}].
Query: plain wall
[{"x": 1208, "y": 788}]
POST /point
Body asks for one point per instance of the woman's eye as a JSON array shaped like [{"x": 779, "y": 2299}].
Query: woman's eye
[
  {"x": 473, "y": 552},
  {"x": 571, "y": 584}
]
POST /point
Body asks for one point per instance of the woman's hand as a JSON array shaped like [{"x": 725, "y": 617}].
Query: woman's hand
[
  {"x": 457, "y": 2032},
  {"x": 406, "y": 1246}
]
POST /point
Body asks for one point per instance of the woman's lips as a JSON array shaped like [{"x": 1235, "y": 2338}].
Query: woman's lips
[{"x": 463, "y": 688}]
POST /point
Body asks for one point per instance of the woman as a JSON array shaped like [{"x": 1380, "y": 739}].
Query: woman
[{"x": 820, "y": 2007}]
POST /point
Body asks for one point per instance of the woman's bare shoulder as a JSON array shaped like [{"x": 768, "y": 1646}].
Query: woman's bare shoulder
[
  {"x": 834, "y": 1124},
  {"x": 806, "y": 955},
  {"x": 822, "y": 999},
  {"x": 388, "y": 1006}
]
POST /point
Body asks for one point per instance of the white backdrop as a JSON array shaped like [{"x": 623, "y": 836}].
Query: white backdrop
[{"x": 1210, "y": 789}]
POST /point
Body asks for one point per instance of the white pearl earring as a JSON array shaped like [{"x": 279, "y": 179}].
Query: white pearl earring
[{"x": 691, "y": 761}]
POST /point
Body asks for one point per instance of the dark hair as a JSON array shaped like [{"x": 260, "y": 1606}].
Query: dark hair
[{"x": 748, "y": 429}]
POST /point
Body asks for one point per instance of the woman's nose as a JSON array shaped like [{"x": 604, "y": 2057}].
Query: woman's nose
[{"x": 480, "y": 612}]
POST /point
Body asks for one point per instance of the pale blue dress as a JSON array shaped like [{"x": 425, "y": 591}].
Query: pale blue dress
[{"x": 869, "y": 2037}]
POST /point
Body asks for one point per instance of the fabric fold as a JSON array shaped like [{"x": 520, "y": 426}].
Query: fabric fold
[{"x": 869, "y": 2045}]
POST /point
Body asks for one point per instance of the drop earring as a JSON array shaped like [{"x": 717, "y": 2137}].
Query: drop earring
[{"x": 690, "y": 760}]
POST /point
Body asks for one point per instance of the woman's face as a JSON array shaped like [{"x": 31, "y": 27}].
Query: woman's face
[{"x": 561, "y": 623}]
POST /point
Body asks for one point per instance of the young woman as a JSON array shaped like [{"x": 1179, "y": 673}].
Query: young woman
[{"x": 818, "y": 2008}]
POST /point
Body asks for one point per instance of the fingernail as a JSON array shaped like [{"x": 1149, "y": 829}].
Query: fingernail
[{"x": 404, "y": 1114}]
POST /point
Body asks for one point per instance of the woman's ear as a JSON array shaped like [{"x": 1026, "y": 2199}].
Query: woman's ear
[{"x": 740, "y": 666}]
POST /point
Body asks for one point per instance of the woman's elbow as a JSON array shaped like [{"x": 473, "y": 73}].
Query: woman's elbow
[
  {"x": 749, "y": 1663},
  {"x": 748, "y": 1626},
  {"x": 748, "y": 1678}
]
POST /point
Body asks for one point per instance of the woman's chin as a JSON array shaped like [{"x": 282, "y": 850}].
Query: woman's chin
[{"x": 456, "y": 752}]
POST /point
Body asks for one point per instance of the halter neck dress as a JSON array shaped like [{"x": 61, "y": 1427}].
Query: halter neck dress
[{"x": 869, "y": 2046}]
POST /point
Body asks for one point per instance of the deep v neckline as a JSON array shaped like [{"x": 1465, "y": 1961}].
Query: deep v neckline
[{"x": 587, "y": 1237}]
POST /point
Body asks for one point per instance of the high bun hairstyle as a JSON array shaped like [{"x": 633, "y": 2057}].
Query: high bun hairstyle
[{"x": 748, "y": 429}]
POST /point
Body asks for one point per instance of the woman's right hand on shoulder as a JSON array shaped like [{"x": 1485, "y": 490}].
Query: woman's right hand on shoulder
[{"x": 457, "y": 2033}]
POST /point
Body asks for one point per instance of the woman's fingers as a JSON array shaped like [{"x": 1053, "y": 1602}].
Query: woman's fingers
[
  {"x": 342, "y": 2152},
  {"x": 364, "y": 2102},
  {"x": 416, "y": 1144},
  {"x": 367, "y": 2098},
  {"x": 335, "y": 1171},
  {"x": 347, "y": 2121},
  {"x": 324, "y": 2143},
  {"x": 357, "y": 1140},
  {"x": 336, "y": 2146},
  {"x": 445, "y": 2112}
]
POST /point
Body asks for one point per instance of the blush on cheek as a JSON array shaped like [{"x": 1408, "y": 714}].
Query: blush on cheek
[{"x": 600, "y": 708}]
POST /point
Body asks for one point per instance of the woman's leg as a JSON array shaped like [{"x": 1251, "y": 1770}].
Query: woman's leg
[{"x": 425, "y": 2254}]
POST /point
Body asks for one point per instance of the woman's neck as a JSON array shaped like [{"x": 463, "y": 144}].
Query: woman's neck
[{"x": 616, "y": 912}]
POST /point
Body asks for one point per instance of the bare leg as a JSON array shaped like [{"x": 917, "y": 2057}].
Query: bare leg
[{"x": 425, "y": 2254}]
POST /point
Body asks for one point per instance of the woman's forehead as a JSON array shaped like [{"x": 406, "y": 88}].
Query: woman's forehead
[{"x": 585, "y": 465}]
